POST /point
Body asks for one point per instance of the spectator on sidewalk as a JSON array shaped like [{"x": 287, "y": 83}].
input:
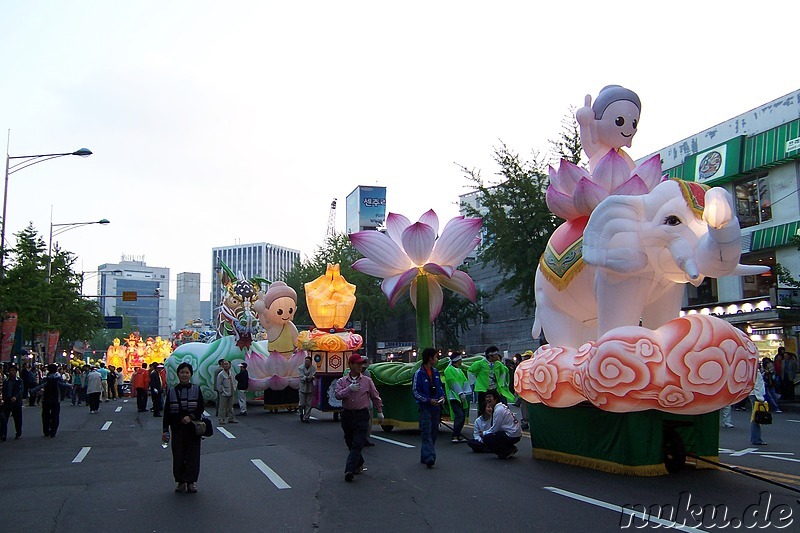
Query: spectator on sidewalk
[
  {"x": 13, "y": 394},
  {"x": 757, "y": 396}
]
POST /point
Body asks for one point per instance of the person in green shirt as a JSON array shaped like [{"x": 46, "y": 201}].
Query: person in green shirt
[
  {"x": 458, "y": 391},
  {"x": 491, "y": 373}
]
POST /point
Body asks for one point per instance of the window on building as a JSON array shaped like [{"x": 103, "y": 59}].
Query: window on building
[
  {"x": 759, "y": 285},
  {"x": 753, "y": 204},
  {"x": 705, "y": 293}
]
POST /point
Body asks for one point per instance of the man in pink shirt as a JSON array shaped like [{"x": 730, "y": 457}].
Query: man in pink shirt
[{"x": 355, "y": 390}]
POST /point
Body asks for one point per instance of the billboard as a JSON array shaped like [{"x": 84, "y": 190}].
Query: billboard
[{"x": 366, "y": 208}]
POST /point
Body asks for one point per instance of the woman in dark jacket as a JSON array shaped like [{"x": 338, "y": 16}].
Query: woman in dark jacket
[{"x": 183, "y": 405}]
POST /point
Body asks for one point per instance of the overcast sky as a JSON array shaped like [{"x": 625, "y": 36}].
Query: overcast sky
[{"x": 215, "y": 123}]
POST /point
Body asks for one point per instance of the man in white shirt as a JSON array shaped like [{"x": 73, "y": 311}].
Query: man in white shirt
[{"x": 504, "y": 431}]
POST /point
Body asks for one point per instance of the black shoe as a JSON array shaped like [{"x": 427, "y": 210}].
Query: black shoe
[
  {"x": 157, "y": 416},
  {"x": 242, "y": 414},
  {"x": 348, "y": 476},
  {"x": 18, "y": 437},
  {"x": 430, "y": 465},
  {"x": 368, "y": 444}
]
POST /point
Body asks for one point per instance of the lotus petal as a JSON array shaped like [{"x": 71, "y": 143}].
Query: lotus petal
[
  {"x": 561, "y": 204},
  {"x": 633, "y": 187},
  {"x": 394, "y": 286},
  {"x": 418, "y": 241},
  {"x": 430, "y": 218},
  {"x": 569, "y": 174},
  {"x": 461, "y": 283},
  {"x": 587, "y": 195},
  {"x": 435, "y": 295},
  {"x": 456, "y": 241},
  {"x": 371, "y": 268},
  {"x": 438, "y": 270},
  {"x": 396, "y": 224},
  {"x": 611, "y": 171},
  {"x": 650, "y": 172},
  {"x": 381, "y": 249}
]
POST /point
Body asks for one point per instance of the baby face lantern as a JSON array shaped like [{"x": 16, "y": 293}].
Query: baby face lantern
[
  {"x": 616, "y": 112},
  {"x": 276, "y": 308}
]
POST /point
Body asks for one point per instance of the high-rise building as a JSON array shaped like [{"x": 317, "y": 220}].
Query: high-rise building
[
  {"x": 187, "y": 306},
  {"x": 365, "y": 208},
  {"x": 133, "y": 290},
  {"x": 251, "y": 260}
]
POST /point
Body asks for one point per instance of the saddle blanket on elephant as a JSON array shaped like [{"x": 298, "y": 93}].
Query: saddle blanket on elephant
[{"x": 562, "y": 259}]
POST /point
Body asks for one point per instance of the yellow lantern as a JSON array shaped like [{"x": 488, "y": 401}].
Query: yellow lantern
[{"x": 330, "y": 299}]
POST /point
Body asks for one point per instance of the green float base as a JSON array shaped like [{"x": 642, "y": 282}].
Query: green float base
[
  {"x": 620, "y": 443},
  {"x": 400, "y": 409}
]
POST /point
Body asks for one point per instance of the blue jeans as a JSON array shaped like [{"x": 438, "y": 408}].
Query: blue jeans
[
  {"x": 755, "y": 433},
  {"x": 458, "y": 417},
  {"x": 429, "y": 417}
]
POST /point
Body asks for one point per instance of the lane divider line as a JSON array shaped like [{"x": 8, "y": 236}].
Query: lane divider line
[
  {"x": 226, "y": 432},
  {"x": 620, "y": 509},
  {"x": 106, "y": 426},
  {"x": 118, "y": 409},
  {"x": 271, "y": 474},
  {"x": 390, "y": 441},
  {"x": 82, "y": 454}
]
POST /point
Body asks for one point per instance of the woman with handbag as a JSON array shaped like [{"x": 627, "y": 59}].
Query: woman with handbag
[
  {"x": 757, "y": 399},
  {"x": 183, "y": 406}
]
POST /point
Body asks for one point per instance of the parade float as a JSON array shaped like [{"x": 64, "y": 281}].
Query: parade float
[
  {"x": 414, "y": 259},
  {"x": 330, "y": 300},
  {"x": 625, "y": 384},
  {"x": 136, "y": 352}
]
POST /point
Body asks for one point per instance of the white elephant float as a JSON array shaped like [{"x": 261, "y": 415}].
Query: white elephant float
[{"x": 625, "y": 265}]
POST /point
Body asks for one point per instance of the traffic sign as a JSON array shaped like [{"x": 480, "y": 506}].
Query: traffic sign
[
  {"x": 129, "y": 296},
  {"x": 113, "y": 322}
]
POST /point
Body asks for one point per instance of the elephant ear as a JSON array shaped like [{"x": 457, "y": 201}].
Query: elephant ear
[{"x": 611, "y": 240}]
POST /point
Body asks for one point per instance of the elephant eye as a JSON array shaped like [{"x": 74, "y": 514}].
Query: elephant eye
[
  {"x": 672, "y": 220},
  {"x": 620, "y": 121}
]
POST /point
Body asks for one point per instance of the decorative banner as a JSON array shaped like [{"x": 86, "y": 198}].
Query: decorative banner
[
  {"x": 52, "y": 343},
  {"x": 9, "y": 328}
]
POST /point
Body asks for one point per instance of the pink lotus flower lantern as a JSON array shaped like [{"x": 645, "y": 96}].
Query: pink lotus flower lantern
[
  {"x": 411, "y": 256},
  {"x": 574, "y": 192}
]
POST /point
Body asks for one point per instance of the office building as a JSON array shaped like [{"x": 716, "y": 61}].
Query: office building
[
  {"x": 365, "y": 209},
  {"x": 187, "y": 305},
  {"x": 138, "y": 292}
]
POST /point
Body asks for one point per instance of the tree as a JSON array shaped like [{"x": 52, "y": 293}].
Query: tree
[
  {"x": 517, "y": 222},
  {"x": 103, "y": 338},
  {"x": 568, "y": 143},
  {"x": 783, "y": 273},
  {"x": 456, "y": 317}
]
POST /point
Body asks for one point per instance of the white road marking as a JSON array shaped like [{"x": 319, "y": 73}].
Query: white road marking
[
  {"x": 82, "y": 454},
  {"x": 226, "y": 432},
  {"x": 124, "y": 401},
  {"x": 313, "y": 418},
  {"x": 620, "y": 509},
  {"x": 390, "y": 441},
  {"x": 106, "y": 426},
  {"x": 795, "y": 421},
  {"x": 118, "y": 409},
  {"x": 781, "y": 458},
  {"x": 206, "y": 414},
  {"x": 744, "y": 452},
  {"x": 270, "y": 473}
]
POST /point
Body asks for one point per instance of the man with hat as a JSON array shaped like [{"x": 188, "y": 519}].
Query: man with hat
[
  {"x": 355, "y": 390},
  {"x": 308, "y": 375},
  {"x": 491, "y": 373},
  {"x": 242, "y": 384},
  {"x": 458, "y": 392}
]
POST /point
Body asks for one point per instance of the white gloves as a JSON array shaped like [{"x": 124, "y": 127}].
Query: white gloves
[
  {"x": 380, "y": 418},
  {"x": 355, "y": 387}
]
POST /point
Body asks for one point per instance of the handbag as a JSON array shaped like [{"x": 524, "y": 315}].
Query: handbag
[
  {"x": 761, "y": 414},
  {"x": 203, "y": 427}
]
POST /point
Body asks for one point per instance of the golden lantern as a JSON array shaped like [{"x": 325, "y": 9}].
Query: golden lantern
[{"x": 330, "y": 299}]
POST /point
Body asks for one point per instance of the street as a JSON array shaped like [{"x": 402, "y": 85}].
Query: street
[{"x": 108, "y": 472}]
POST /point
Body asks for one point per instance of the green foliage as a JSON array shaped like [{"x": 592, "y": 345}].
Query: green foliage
[
  {"x": 568, "y": 143},
  {"x": 103, "y": 338},
  {"x": 457, "y": 315},
  {"x": 43, "y": 306},
  {"x": 516, "y": 221},
  {"x": 784, "y": 274}
]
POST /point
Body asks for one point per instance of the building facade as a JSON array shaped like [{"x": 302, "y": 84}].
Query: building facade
[
  {"x": 250, "y": 260},
  {"x": 755, "y": 156},
  {"x": 187, "y": 303},
  {"x": 365, "y": 209},
  {"x": 138, "y": 292}
]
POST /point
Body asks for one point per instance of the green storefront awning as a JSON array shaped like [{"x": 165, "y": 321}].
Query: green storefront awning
[{"x": 774, "y": 236}]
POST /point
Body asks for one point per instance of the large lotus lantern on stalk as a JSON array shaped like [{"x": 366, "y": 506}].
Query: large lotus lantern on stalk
[{"x": 411, "y": 256}]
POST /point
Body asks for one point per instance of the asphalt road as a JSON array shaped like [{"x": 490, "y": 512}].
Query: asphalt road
[{"x": 108, "y": 472}]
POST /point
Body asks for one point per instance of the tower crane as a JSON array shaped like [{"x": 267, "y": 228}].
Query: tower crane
[{"x": 331, "y": 231}]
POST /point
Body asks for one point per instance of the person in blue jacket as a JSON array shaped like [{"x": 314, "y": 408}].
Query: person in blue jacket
[{"x": 429, "y": 393}]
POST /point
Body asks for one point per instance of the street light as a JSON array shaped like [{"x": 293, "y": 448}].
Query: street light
[
  {"x": 25, "y": 162},
  {"x": 64, "y": 228}
]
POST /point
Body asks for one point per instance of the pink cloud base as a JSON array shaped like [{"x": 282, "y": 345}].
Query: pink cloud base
[{"x": 691, "y": 365}]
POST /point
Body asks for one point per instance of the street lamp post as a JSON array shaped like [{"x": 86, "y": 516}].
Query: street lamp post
[
  {"x": 24, "y": 162},
  {"x": 61, "y": 229}
]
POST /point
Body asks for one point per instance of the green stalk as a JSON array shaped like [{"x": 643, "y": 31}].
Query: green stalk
[{"x": 424, "y": 329}]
